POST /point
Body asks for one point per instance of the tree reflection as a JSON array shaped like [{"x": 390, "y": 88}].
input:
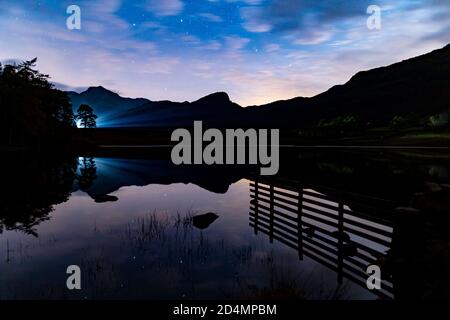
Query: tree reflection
[
  {"x": 33, "y": 188},
  {"x": 35, "y": 183},
  {"x": 88, "y": 173}
]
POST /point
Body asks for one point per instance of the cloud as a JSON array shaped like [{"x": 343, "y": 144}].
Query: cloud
[
  {"x": 273, "y": 47},
  {"x": 211, "y": 17},
  {"x": 306, "y": 22},
  {"x": 64, "y": 87},
  {"x": 315, "y": 37},
  {"x": 293, "y": 15},
  {"x": 236, "y": 43},
  {"x": 234, "y": 46},
  {"x": 211, "y": 45},
  {"x": 165, "y": 7},
  {"x": 252, "y": 23},
  {"x": 100, "y": 16},
  {"x": 304, "y": 46}
]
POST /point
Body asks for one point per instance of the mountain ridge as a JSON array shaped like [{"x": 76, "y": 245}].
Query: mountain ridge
[
  {"x": 105, "y": 103},
  {"x": 418, "y": 85}
]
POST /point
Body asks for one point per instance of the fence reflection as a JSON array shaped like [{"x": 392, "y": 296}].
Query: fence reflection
[{"x": 323, "y": 228}]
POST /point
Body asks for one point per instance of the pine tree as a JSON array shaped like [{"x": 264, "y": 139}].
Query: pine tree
[{"x": 86, "y": 116}]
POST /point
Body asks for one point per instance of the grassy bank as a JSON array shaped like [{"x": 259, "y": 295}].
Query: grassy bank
[{"x": 92, "y": 138}]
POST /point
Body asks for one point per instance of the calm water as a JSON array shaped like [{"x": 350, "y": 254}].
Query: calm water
[{"x": 139, "y": 227}]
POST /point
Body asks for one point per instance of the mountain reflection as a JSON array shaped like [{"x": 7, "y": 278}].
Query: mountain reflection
[{"x": 37, "y": 182}]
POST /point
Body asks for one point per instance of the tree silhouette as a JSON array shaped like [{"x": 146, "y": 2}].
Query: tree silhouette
[
  {"x": 86, "y": 116},
  {"x": 32, "y": 112}
]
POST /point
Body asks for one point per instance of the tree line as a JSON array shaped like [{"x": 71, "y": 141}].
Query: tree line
[{"x": 32, "y": 111}]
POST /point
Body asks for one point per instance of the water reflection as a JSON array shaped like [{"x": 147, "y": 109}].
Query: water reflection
[
  {"x": 88, "y": 173},
  {"x": 347, "y": 231},
  {"x": 141, "y": 227},
  {"x": 32, "y": 186}
]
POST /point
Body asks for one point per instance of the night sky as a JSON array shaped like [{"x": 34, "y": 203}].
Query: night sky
[{"x": 256, "y": 50}]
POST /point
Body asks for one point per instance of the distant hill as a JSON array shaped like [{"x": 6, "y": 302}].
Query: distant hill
[
  {"x": 116, "y": 111},
  {"x": 412, "y": 88},
  {"x": 418, "y": 86},
  {"x": 215, "y": 110},
  {"x": 106, "y": 104}
]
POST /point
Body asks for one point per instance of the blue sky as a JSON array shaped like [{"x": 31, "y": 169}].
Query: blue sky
[{"x": 256, "y": 50}]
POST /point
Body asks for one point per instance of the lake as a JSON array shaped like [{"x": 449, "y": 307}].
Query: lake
[{"x": 140, "y": 227}]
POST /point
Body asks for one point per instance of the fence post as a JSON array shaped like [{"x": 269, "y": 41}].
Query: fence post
[
  {"x": 256, "y": 206},
  {"x": 340, "y": 242},
  {"x": 299, "y": 223},
  {"x": 271, "y": 212}
]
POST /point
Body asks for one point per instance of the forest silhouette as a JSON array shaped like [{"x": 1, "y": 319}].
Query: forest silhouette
[{"x": 32, "y": 111}]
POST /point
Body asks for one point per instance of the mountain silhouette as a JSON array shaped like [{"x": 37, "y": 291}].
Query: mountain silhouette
[
  {"x": 415, "y": 87},
  {"x": 104, "y": 102},
  {"x": 216, "y": 109}
]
